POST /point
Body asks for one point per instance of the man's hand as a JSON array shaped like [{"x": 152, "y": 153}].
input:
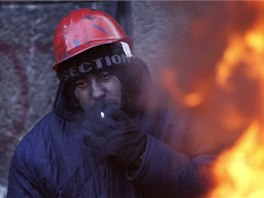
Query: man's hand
[{"x": 110, "y": 130}]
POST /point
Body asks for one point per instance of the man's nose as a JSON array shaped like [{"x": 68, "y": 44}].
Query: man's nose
[{"x": 97, "y": 91}]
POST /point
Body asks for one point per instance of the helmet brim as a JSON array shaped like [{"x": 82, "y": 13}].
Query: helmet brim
[{"x": 87, "y": 46}]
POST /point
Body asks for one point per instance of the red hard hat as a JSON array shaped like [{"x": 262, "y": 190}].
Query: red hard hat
[{"x": 84, "y": 29}]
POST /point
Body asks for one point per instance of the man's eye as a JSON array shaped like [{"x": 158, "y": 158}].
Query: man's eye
[
  {"x": 105, "y": 75},
  {"x": 81, "y": 84}
]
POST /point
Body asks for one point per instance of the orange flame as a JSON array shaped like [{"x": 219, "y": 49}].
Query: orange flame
[
  {"x": 238, "y": 171},
  {"x": 232, "y": 105},
  {"x": 169, "y": 79}
]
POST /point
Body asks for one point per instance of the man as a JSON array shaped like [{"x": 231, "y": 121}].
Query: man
[{"x": 107, "y": 135}]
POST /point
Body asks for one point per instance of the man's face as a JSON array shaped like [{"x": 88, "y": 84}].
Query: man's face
[{"x": 96, "y": 87}]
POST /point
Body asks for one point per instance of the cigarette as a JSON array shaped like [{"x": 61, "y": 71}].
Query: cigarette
[{"x": 102, "y": 115}]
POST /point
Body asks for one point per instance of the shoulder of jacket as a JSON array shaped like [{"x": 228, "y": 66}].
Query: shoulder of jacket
[{"x": 38, "y": 134}]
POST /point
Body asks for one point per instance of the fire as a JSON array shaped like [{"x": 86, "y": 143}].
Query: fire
[
  {"x": 230, "y": 61},
  {"x": 230, "y": 110},
  {"x": 248, "y": 49},
  {"x": 169, "y": 79},
  {"x": 238, "y": 171}
]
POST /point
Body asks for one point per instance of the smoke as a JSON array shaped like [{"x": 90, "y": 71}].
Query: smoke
[{"x": 188, "y": 72}]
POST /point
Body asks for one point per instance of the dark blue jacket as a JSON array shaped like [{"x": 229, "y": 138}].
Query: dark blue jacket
[{"x": 52, "y": 160}]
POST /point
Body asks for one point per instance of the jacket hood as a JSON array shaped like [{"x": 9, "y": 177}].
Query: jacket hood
[{"x": 136, "y": 90}]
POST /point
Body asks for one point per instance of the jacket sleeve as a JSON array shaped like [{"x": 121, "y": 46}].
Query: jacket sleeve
[
  {"x": 20, "y": 185},
  {"x": 21, "y": 182},
  {"x": 167, "y": 172}
]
